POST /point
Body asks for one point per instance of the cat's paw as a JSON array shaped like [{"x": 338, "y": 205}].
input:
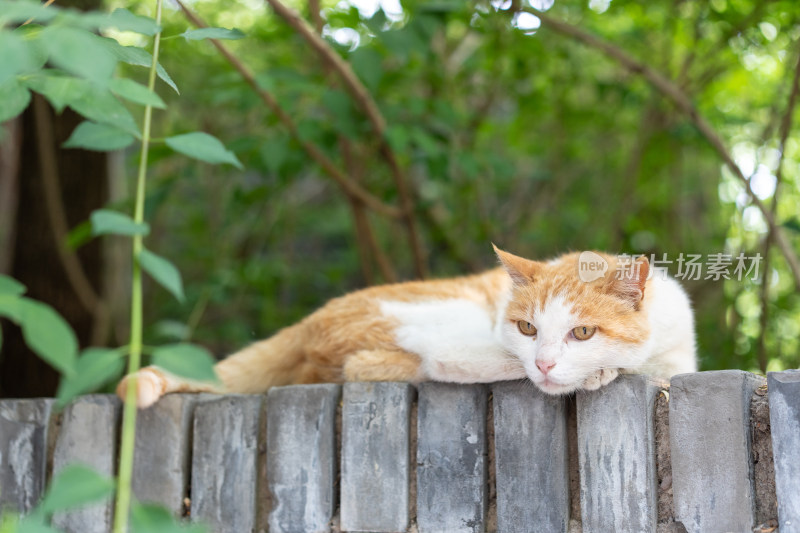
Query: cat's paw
[
  {"x": 150, "y": 386},
  {"x": 600, "y": 378}
]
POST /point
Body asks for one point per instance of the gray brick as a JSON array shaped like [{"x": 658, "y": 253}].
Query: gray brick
[
  {"x": 784, "y": 419},
  {"x": 451, "y": 458},
  {"x": 709, "y": 425},
  {"x": 162, "y": 452},
  {"x": 531, "y": 459},
  {"x": 301, "y": 457},
  {"x": 616, "y": 454},
  {"x": 88, "y": 436},
  {"x": 375, "y": 456},
  {"x": 225, "y": 463},
  {"x": 23, "y": 452}
]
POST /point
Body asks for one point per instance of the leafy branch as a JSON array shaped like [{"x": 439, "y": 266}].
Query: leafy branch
[
  {"x": 364, "y": 99},
  {"x": 348, "y": 186},
  {"x": 682, "y": 101}
]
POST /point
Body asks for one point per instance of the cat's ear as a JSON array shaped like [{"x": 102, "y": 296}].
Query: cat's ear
[
  {"x": 520, "y": 269},
  {"x": 629, "y": 282}
]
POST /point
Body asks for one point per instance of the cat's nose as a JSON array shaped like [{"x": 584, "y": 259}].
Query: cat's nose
[{"x": 545, "y": 366}]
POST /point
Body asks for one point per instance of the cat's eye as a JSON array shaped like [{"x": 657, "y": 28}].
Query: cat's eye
[
  {"x": 583, "y": 333},
  {"x": 526, "y": 328}
]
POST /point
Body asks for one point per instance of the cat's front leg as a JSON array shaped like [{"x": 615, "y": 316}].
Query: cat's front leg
[{"x": 599, "y": 378}]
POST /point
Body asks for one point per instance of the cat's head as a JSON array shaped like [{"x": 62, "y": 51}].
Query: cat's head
[{"x": 563, "y": 329}]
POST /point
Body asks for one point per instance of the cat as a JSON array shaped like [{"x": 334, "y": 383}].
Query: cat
[{"x": 526, "y": 319}]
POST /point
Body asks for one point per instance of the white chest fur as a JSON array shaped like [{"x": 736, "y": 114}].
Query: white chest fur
[{"x": 457, "y": 340}]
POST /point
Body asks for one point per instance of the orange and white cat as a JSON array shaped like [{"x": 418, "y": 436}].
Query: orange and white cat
[{"x": 529, "y": 319}]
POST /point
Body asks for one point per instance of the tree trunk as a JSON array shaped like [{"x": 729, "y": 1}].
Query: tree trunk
[{"x": 31, "y": 248}]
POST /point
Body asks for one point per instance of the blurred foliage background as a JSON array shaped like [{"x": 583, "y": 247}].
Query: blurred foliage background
[{"x": 504, "y": 130}]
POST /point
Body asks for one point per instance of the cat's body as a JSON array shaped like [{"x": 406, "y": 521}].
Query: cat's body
[{"x": 459, "y": 330}]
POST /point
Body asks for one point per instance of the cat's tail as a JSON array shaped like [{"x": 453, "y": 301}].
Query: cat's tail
[{"x": 252, "y": 370}]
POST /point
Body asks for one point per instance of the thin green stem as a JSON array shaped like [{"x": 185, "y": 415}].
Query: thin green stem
[{"x": 128, "y": 438}]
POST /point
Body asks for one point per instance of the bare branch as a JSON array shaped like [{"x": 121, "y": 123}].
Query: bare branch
[
  {"x": 342, "y": 67},
  {"x": 786, "y": 126},
  {"x": 679, "y": 98},
  {"x": 10, "y": 150},
  {"x": 364, "y": 99},
  {"x": 368, "y": 244},
  {"x": 350, "y": 188},
  {"x": 57, "y": 218},
  {"x": 316, "y": 16}
]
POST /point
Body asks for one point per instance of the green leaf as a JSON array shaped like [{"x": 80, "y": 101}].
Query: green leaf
[
  {"x": 163, "y": 271},
  {"x": 441, "y": 7},
  {"x": 17, "y": 56},
  {"x": 105, "y": 221},
  {"x": 90, "y": 21},
  {"x": 265, "y": 81},
  {"x": 11, "y": 307},
  {"x": 49, "y": 335},
  {"x": 9, "y": 523},
  {"x": 204, "y": 147},
  {"x": 186, "y": 360},
  {"x": 171, "y": 329},
  {"x": 78, "y": 52},
  {"x": 368, "y": 65},
  {"x": 60, "y": 90},
  {"x": 99, "y": 137},
  {"x": 99, "y": 105},
  {"x": 212, "y": 33},
  {"x": 162, "y": 73},
  {"x": 9, "y": 302},
  {"x": 95, "y": 368},
  {"x": 79, "y": 235},
  {"x": 340, "y": 106},
  {"x": 137, "y": 57},
  {"x": 14, "y": 98},
  {"x": 136, "y": 92},
  {"x": 75, "y": 486},
  {"x": 150, "y": 518},
  {"x": 11, "y": 286},
  {"x": 17, "y": 12},
  {"x": 33, "y": 523},
  {"x": 398, "y": 138},
  {"x": 29, "y": 525},
  {"x": 425, "y": 142},
  {"x": 124, "y": 20},
  {"x": 274, "y": 152},
  {"x": 377, "y": 22},
  {"x": 792, "y": 224}
]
